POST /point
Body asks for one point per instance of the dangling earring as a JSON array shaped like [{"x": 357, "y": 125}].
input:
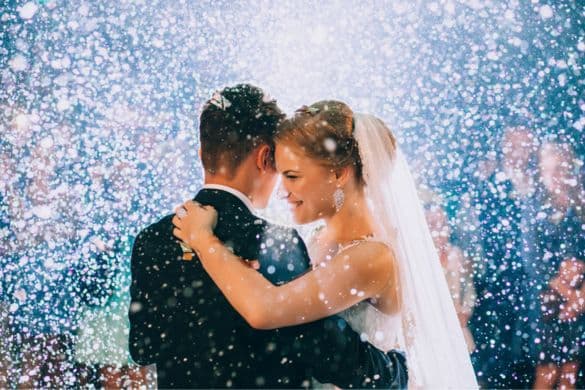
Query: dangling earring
[{"x": 338, "y": 199}]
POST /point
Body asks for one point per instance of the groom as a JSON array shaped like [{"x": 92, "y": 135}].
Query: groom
[{"x": 180, "y": 320}]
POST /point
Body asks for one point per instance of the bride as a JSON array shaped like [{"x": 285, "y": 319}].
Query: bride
[{"x": 374, "y": 261}]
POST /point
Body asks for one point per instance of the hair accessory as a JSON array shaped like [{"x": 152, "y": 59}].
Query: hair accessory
[
  {"x": 219, "y": 101},
  {"x": 308, "y": 110},
  {"x": 267, "y": 98}
]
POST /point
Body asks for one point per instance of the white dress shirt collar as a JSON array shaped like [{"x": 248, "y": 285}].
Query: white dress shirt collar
[{"x": 245, "y": 200}]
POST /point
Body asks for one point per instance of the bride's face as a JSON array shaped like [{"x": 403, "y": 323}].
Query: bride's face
[{"x": 308, "y": 186}]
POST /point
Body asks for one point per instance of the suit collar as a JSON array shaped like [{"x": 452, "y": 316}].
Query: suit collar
[{"x": 222, "y": 201}]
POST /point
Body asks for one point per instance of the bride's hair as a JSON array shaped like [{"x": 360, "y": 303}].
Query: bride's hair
[{"x": 324, "y": 132}]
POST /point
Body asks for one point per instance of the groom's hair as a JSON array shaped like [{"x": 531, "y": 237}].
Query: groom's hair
[{"x": 234, "y": 122}]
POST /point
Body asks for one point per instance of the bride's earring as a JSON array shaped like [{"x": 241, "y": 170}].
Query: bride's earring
[{"x": 338, "y": 199}]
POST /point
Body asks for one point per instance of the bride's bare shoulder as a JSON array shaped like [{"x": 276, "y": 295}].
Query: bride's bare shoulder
[{"x": 371, "y": 252}]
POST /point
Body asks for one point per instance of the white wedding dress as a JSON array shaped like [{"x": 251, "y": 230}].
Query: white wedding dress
[{"x": 379, "y": 329}]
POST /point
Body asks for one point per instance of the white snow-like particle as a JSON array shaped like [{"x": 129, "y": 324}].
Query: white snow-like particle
[
  {"x": 22, "y": 121},
  {"x": 546, "y": 12},
  {"x": 493, "y": 55},
  {"x": 47, "y": 143},
  {"x": 330, "y": 145},
  {"x": 43, "y": 212},
  {"x": 28, "y": 10},
  {"x": 18, "y": 63},
  {"x": 450, "y": 7},
  {"x": 21, "y": 295},
  {"x": 63, "y": 104},
  {"x": 579, "y": 124}
]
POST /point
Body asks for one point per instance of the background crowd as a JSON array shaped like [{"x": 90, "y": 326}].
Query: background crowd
[{"x": 513, "y": 252}]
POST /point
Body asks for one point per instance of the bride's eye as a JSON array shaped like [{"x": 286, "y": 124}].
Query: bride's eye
[{"x": 291, "y": 177}]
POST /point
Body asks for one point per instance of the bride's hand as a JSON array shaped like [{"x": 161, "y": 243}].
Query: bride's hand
[{"x": 194, "y": 224}]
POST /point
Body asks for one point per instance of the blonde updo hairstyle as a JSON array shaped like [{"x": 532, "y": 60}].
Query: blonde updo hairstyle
[{"x": 324, "y": 131}]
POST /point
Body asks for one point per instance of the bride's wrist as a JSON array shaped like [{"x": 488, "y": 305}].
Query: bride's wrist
[{"x": 202, "y": 239}]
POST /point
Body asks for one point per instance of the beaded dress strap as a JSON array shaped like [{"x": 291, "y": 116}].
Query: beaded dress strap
[{"x": 358, "y": 241}]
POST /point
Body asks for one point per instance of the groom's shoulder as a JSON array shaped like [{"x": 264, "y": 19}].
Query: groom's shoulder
[
  {"x": 162, "y": 224},
  {"x": 279, "y": 230},
  {"x": 159, "y": 231},
  {"x": 278, "y": 235}
]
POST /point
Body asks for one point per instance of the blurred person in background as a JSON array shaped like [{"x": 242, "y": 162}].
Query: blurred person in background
[
  {"x": 506, "y": 203},
  {"x": 5, "y": 346},
  {"x": 40, "y": 315},
  {"x": 51, "y": 268},
  {"x": 456, "y": 268},
  {"x": 102, "y": 344},
  {"x": 562, "y": 326},
  {"x": 561, "y": 246},
  {"x": 6, "y": 359}
]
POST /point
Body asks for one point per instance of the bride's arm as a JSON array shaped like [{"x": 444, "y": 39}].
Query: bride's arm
[
  {"x": 355, "y": 274},
  {"x": 351, "y": 277}
]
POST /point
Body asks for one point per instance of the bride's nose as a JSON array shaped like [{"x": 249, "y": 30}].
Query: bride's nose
[{"x": 282, "y": 192}]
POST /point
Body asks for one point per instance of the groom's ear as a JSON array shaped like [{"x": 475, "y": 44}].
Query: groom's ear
[{"x": 264, "y": 159}]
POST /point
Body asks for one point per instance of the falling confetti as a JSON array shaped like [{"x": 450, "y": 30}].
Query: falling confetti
[{"x": 98, "y": 139}]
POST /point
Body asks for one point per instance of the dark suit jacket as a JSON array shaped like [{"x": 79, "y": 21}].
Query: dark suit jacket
[{"x": 182, "y": 322}]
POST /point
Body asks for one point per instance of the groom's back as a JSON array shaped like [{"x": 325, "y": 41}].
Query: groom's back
[{"x": 186, "y": 325}]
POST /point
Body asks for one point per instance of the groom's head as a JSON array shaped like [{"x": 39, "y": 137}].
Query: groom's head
[{"x": 237, "y": 128}]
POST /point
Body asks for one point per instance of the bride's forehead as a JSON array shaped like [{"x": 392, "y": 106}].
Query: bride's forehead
[
  {"x": 287, "y": 152},
  {"x": 291, "y": 157}
]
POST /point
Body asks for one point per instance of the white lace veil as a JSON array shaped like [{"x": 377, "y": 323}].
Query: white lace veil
[{"x": 431, "y": 336}]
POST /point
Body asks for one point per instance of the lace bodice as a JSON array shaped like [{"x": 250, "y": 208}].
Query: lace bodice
[{"x": 380, "y": 329}]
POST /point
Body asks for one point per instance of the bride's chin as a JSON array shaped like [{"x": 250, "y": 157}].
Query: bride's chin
[
  {"x": 297, "y": 219},
  {"x": 300, "y": 219}
]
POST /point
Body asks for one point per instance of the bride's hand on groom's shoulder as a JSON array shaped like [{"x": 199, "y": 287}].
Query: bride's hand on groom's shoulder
[{"x": 194, "y": 224}]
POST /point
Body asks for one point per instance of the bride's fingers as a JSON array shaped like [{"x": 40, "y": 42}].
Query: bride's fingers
[
  {"x": 177, "y": 221},
  {"x": 254, "y": 264},
  {"x": 190, "y": 205},
  {"x": 179, "y": 234}
]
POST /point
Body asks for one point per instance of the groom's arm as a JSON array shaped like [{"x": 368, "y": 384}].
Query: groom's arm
[{"x": 334, "y": 353}]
